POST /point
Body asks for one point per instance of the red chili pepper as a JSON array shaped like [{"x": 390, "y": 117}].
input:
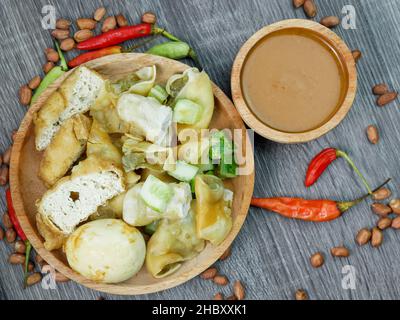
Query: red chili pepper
[
  {"x": 322, "y": 161},
  {"x": 308, "y": 210},
  {"x": 91, "y": 55},
  {"x": 116, "y": 36},
  {"x": 20, "y": 232}
]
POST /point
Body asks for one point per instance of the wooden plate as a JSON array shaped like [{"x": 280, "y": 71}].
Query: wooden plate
[
  {"x": 26, "y": 187},
  {"x": 338, "y": 46}
]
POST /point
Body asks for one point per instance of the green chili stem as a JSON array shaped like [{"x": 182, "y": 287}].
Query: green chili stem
[
  {"x": 192, "y": 54},
  {"x": 141, "y": 44},
  {"x": 27, "y": 255},
  {"x": 63, "y": 61},
  {"x": 342, "y": 154},
  {"x": 165, "y": 33}
]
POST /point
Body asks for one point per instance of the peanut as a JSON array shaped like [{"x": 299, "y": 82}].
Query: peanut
[
  {"x": 330, "y": 21},
  {"x": 356, "y": 55},
  {"x": 121, "y": 20},
  {"x": 395, "y": 205},
  {"x": 301, "y": 295},
  {"x": 226, "y": 254},
  {"x": 52, "y": 55},
  {"x": 380, "y": 89},
  {"x": 4, "y": 176},
  {"x": 218, "y": 296},
  {"x": 34, "y": 82},
  {"x": 298, "y": 3},
  {"x": 208, "y": 274},
  {"x": 19, "y": 246},
  {"x": 232, "y": 297},
  {"x": 1, "y": 233},
  {"x": 16, "y": 258},
  {"x": 99, "y": 13},
  {"x": 377, "y": 237},
  {"x": 396, "y": 223},
  {"x": 373, "y": 134},
  {"x": 238, "y": 289},
  {"x": 86, "y": 23},
  {"x": 386, "y": 98},
  {"x": 363, "y": 236},
  {"x": 310, "y": 8},
  {"x": 7, "y": 156},
  {"x": 381, "y": 209},
  {"x": 63, "y": 24},
  {"x": 33, "y": 278},
  {"x": 317, "y": 260},
  {"x": 83, "y": 35},
  {"x": 7, "y": 221},
  {"x": 381, "y": 194},
  {"x": 341, "y": 252},
  {"x": 67, "y": 44},
  {"x": 25, "y": 95},
  {"x": 48, "y": 66},
  {"x": 31, "y": 266},
  {"x": 11, "y": 235},
  {"x": 60, "y": 34},
  {"x": 384, "y": 223},
  {"x": 109, "y": 23},
  {"x": 149, "y": 17},
  {"x": 221, "y": 280}
]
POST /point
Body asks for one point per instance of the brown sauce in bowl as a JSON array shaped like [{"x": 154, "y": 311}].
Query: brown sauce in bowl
[{"x": 293, "y": 81}]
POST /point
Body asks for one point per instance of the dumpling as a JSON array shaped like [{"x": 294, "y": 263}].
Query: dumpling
[
  {"x": 174, "y": 242},
  {"x": 213, "y": 208},
  {"x": 65, "y": 149}
]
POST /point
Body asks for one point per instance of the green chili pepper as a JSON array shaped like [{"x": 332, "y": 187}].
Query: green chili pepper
[
  {"x": 174, "y": 50},
  {"x": 53, "y": 74}
]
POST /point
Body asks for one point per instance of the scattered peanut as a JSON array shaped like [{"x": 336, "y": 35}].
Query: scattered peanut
[
  {"x": 238, "y": 289},
  {"x": 330, "y": 21},
  {"x": 317, "y": 260},
  {"x": 33, "y": 278},
  {"x": 298, "y": 3},
  {"x": 301, "y": 295},
  {"x": 7, "y": 221},
  {"x": 384, "y": 223},
  {"x": 381, "y": 194},
  {"x": 109, "y": 23},
  {"x": 395, "y": 205},
  {"x": 67, "y": 44},
  {"x": 356, "y": 55},
  {"x": 226, "y": 254},
  {"x": 149, "y": 17},
  {"x": 373, "y": 134},
  {"x": 16, "y": 258},
  {"x": 363, "y": 236},
  {"x": 48, "y": 66},
  {"x": 381, "y": 209},
  {"x": 83, "y": 35},
  {"x": 121, "y": 20},
  {"x": 380, "y": 89},
  {"x": 99, "y": 13},
  {"x": 60, "y": 34},
  {"x": 52, "y": 55},
  {"x": 1, "y": 160},
  {"x": 1, "y": 233},
  {"x": 19, "y": 246},
  {"x": 86, "y": 23},
  {"x": 34, "y": 82},
  {"x": 310, "y": 8},
  {"x": 396, "y": 223},
  {"x": 25, "y": 95},
  {"x": 31, "y": 266},
  {"x": 218, "y": 296},
  {"x": 63, "y": 24},
  {"x": 7, "y": 156},
  {"x": 386, "y": 98},
  {"x": 208, "y": 274},
  {"x": 341, "y": 252},
  {"x": 221, "y": 280},
  {"x": 11, "y": 235},
  {"x": 4, "y": 176},
  {"x": 232, "y": 297},
  {"x": 377, "y": 237}
]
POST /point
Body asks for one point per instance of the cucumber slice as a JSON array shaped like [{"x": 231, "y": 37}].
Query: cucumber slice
[
  {"x": 227, "y": 171},
  {"x": 220, "y": 145},
  {"x": 158, "y": 93},
  {"x": 156, "y": 194},
  {"x": 186, "y": 112},
  {"x": 184, "y": 171}
]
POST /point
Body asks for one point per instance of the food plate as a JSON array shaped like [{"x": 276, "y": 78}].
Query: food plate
[{"x": 27, "y": 188}]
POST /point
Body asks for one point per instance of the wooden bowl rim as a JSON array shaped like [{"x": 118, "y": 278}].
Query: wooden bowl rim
[
  {"x": 285, "y": 137},
  {"x": 57, "y": 264}
]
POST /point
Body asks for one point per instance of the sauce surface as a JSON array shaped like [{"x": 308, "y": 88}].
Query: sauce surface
[{"x": 293, "y": 81}]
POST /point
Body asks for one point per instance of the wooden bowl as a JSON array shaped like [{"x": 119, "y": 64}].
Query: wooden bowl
[
  {"x": 336, "y": 44},
  {"x": 26, "y": 187}
]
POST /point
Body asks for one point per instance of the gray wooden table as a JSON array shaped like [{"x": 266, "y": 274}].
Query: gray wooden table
[{"x": 271, "y": 254}]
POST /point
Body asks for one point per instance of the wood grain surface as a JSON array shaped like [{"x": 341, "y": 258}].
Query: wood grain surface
[{"x": 271, "y": 254}]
